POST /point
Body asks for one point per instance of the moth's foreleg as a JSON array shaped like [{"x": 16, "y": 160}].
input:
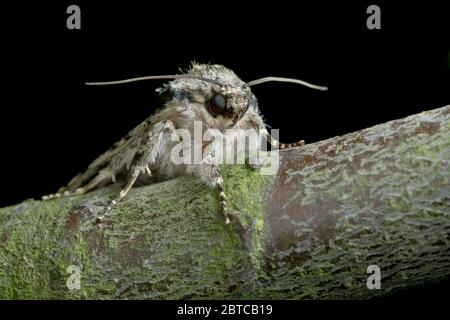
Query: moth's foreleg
[
  {"x": 277, "y": 144},
  {"x": 151, "y": 147},
  {"x": 222, "y": 199},
  {"x": 208, "y": 171}
]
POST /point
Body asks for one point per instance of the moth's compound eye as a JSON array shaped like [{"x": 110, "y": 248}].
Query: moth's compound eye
[{"x": 218, "y": 104}]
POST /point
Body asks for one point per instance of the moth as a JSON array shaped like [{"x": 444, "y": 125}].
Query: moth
[{"x": 211, "y": 94}]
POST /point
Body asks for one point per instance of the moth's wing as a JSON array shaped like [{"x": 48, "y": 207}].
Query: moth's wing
[{"x": 112, "y": 163}]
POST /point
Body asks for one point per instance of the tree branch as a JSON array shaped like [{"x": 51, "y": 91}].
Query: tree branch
[{"x": 379, "y": 196}]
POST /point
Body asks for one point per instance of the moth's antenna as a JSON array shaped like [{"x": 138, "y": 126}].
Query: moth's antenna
[
  {"x": 303, "y": 83},
  {"x": 182, "y": 76}
]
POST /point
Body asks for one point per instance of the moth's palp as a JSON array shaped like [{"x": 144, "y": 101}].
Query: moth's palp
[
  {"x": 301, "y": 82},
  {"x": 182, "y": 76}
]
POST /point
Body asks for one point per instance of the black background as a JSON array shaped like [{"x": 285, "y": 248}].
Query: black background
[{"x": 52, "y": 126}]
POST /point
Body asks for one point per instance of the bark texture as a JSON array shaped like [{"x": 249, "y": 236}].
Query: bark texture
[{"x": 379, "y": 196}]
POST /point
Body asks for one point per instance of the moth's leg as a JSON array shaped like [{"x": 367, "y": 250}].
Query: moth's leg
[
  {"x": 291, "y": 145},
  {"x": 103, "y": 176},
  {"x": 148, "y": 171},
  {"x": 223, "y": 199},
  {"x": 208, "y": 171},
  {"x": 260, "y": 125},
  {"x": 123, "y": 193},
  {"x": 276, "y": 144},
  {"x": 151, "y": 147}
]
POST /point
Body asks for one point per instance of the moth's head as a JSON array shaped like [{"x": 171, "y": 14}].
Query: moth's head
[{"x": 222, "y": 101}]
